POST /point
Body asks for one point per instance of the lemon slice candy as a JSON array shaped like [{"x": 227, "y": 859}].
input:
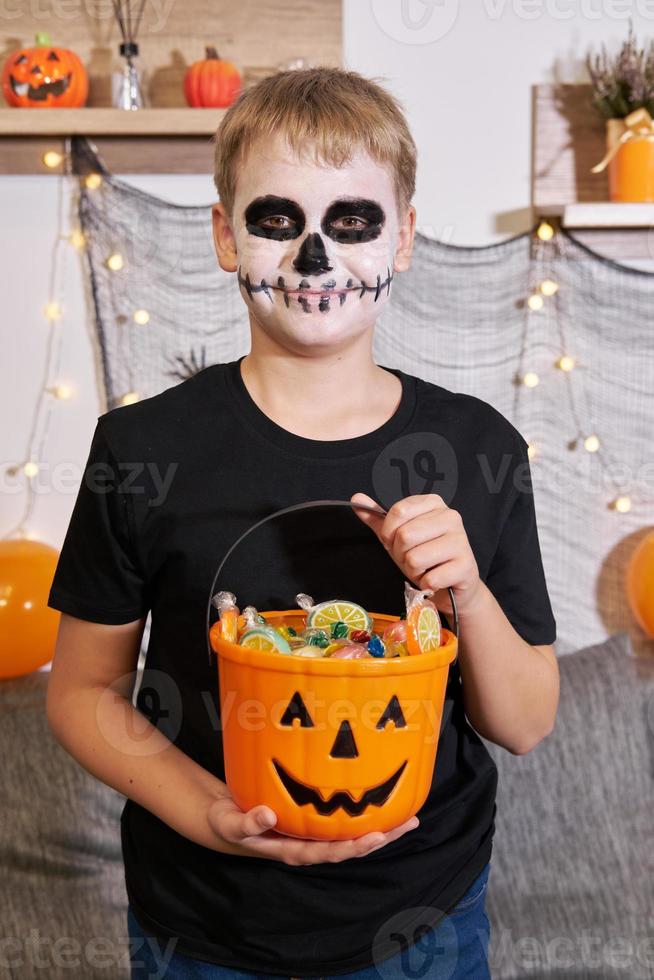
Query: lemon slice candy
[
  {"x": 265, "y": 638},
  {"x": 332, "y": 611}
]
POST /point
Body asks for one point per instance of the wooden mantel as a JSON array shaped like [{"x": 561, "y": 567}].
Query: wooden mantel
[{"x": 145, "y": 141}]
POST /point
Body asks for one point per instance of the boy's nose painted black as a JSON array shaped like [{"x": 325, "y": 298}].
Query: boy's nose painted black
[{"x": 312, "y": 259}]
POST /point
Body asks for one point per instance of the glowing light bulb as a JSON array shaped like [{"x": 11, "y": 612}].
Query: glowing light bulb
[
  {"x": 76, "y": 238},
  {"x": 548, "y": 287},
  {"x": 141, "y": 316},
  {"x": 129, "y": 398},
  {"x": 535, "y": 302},
  {"x": 52, "y": 158},
  {"x": 531, "y": 379},
  {"x": 62, "y": 391},
  {"x": 565, "y": 363},
  {"x": 52, "y": 310},
  {"x": 93, "y": 181},
  {"x": 531, "y": 451},
  {"x": 544, "y": 231},
  {"x": 621, "y": 504},
  {"x": 30, "y": 469},
  {"x": 115, "y": 262},
  {"x": 591, "y": 444}
]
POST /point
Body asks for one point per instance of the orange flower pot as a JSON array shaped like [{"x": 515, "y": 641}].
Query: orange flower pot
[
  {"x": 337, "y": 748},
  {"x": 631, "y": 171}
]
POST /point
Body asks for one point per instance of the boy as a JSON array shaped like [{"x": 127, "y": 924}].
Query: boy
[{"x": 315, "y": 171}]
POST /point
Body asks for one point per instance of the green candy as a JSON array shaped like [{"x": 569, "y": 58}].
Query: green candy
[
  {"x": 316, "y": 637},
  {"x": 340, "y": 630}
]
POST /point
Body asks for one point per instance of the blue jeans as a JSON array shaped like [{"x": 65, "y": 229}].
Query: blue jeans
[{"x": 455, "y": 949}]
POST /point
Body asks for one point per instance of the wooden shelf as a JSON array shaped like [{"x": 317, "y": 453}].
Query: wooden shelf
[
  {"x": 601, "y": 214},
  {"x": 144, "y": 141},
  {"x": 109, "y": 122}
]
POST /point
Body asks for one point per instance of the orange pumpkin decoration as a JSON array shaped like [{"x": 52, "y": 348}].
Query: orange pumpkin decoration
[
  {"x": 640, "y": 584},
  {"x": 211, "y": 83},
  {"x": 44, "y": 77},
  {"x": 337, "y": 748}
]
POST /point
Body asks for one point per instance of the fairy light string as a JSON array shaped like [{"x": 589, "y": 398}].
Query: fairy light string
[{"x": 550, "y": 246}]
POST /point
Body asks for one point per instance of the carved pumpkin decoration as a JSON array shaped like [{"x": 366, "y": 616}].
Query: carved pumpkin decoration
[
  {"x": 211, "y": 83},
  {"x": 44, "y": 77},
  {"x": 337, "y": 748}
]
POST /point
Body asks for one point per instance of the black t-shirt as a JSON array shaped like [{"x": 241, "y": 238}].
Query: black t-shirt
[{"x": 170, "y": 483}]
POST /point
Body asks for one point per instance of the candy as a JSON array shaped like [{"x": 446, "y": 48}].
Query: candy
[
  {"x": 265, "y": 638},
  {"x": 326, "y": 614},
  {"x": 336, "y": 629},
  {"x": 423, "y": 631},
  {"x": 351, "y": 651},
  {"x": 340, "y": 630},
  {"x": 376, "y": 646},
  {"x": 309, "y": 650},
  {"x": 225, "y": 603},
  {"x": 251, "y": 618},
  {"x": 395, "y": 632},
  {"x": 336, "y": 645},
  {"x": 316, "y": 637},
  {"x": 287, "y": 631}
]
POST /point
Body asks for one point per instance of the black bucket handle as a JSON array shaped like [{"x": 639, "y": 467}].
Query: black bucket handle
[{"x": 288, "y": 510}]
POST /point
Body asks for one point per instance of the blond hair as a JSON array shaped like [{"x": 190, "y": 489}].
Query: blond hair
[{"x": 333, "y": 110}]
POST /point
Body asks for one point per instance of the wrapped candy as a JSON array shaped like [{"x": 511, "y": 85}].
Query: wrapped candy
[
  {"x": 309, "y": 650},
  {"x": 332, "y": 613},
  {"x": 316, "y": 637},
  {"x": 264, "y": 637},
  {"x": 250, "y": 618},
  {"x": 376, "y": 646},
  {"x": 423, "y": 624},
  {"x": 225, "y": 603},
  {"x": 335, "y": 629},
  {"x": 351, "y": 651}
]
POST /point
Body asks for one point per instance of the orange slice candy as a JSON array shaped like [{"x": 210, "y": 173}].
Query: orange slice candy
[{"x": 423, "y": 628}]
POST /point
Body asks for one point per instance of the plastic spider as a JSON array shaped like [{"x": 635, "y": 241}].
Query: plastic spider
[{"x": 187, "y": 368}]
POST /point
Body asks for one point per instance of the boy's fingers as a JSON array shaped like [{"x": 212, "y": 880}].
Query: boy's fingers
[{"x": 234, "y": 825}]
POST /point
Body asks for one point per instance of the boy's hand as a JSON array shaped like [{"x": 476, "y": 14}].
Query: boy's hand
[
  {"x": 427, "y": 540},
  {"x": 244, "y": 833}
]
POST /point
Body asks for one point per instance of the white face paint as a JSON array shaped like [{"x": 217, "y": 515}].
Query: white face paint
[{"x": 315, "y": 244}]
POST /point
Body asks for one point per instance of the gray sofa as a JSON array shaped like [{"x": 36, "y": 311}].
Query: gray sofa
[{"x": 570, "y": 891}]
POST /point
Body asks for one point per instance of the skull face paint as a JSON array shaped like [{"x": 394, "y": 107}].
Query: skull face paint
[{"x": 315, "y": 243}]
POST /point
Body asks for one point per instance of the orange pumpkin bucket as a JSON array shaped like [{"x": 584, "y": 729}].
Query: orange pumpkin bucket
[{"x": 337, "y": 748}]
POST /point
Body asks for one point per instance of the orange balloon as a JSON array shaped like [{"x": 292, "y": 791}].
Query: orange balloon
[
  {"x": 640, "y": 584},
  {"x": 28, "y": 628}
]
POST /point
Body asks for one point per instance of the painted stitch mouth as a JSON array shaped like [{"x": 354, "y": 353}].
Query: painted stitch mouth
[
  {"x": 302, "y": 794},
  {"x": 305, "y": 294}
]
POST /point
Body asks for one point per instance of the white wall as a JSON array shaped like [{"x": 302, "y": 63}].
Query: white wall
[{"x": 463, "y": 76}]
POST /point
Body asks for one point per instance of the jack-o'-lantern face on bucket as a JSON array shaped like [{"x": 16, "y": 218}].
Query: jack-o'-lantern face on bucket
[
  {"x": 344, "y": 747},
  {"x": 335, "y": 748}
]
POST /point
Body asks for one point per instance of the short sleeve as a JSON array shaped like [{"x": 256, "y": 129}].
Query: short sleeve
[
  {"x": 98, "y": 577},
  {"x": 516, "y": 576}
]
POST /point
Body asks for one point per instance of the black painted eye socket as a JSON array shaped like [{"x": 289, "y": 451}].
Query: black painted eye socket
[
  {"x": 21, "y": 59},
  {"x": 363, "y": 219},
  {"x": 53, "y": 56},
  {"x": 262, "y": 217},
  {"x": 392, "y": 712},
  {"x": 296, "y": 709}
]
